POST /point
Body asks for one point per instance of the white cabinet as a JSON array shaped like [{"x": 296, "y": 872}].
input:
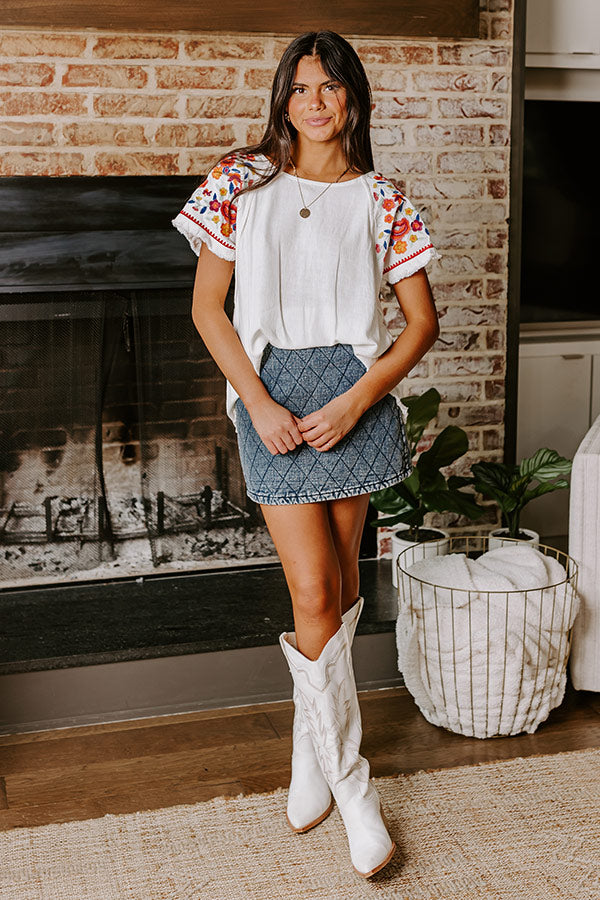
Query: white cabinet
[
  {"x": 563, "y": 33},
  {"x": 558, "y": 399}
]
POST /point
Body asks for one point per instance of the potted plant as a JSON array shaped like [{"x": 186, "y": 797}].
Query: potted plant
[
  {"x": 426, "y": 489},
  {"x": 511, "y": 487}
]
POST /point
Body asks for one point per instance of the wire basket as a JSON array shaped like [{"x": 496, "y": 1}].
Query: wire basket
[{"x": 485, "y": 663}]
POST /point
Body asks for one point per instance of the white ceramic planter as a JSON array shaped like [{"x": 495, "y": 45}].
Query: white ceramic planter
[
  {"x": 499, "y": 538},
  {"x": 420, "y": 550}
]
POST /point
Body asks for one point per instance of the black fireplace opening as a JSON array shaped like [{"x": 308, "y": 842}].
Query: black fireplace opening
[{"x": 116, "y": 453}]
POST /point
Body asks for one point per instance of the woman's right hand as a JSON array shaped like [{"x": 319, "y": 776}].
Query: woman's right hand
[{"x": 276, "y": 426}]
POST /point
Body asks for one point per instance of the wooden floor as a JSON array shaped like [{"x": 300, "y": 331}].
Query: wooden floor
[{"x": 86, "y": 772}]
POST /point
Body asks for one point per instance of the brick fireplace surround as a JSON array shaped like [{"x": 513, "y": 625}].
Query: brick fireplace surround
[{"x": 100, "y": 103}]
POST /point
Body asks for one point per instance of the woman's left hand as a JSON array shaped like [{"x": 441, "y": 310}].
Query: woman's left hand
[{"x": 324, "y": 427}]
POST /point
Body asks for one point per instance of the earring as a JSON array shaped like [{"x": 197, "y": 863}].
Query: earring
[{"x": 286, "y": 117}]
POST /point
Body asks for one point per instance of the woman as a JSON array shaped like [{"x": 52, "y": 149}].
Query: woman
[{"x": 313, "y": 383}]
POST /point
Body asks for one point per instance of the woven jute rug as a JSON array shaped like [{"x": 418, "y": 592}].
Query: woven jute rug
[{"x": 521, "y": 829}]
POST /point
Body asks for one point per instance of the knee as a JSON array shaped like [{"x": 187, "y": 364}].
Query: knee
[{"x": 317, "y": 598}]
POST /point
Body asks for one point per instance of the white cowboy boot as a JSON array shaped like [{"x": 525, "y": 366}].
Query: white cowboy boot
[
  {"x": 327, "y": 693},
  {"x": 309, "y": 797}
]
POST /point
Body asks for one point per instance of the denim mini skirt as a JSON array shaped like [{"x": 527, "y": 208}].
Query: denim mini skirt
[{"x": 374, "y": 454}]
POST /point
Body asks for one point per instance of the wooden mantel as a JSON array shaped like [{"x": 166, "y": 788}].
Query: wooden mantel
[{"x": 400, "y": 18}]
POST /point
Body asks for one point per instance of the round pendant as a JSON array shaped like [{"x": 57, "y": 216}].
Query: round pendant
[{"x": 304, "y": 212}]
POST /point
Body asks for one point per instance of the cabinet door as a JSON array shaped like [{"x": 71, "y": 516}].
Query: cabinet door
[
  {"x": 563, "y": 26},
  {"x": 554, "y": 411}
]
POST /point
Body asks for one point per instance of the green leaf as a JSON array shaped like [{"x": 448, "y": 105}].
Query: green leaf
[
  {"x": 432, "y": 481},
  {"x": 385, "y": 497},
  {"x": 517, "y": 490},
  {"x": 458, "y": 481},
  {"x": 545, "y": 465},
  {"x": 385, "y": 504},
  {"x": 508, "y": 485},
  {"x": 426, "y": 488},
  {"x": 416, "y": 517},
  {"x": 546, "y": 488},
  {"x": 492, "y": 475},
  {"x": 457, "y": 502},
  {"x": 396, "y": 500},
  {"x": 410, "y": 486},
  {"x": 421, "y": 410},
  {"x": 447, "y": 447},
  {"x": 392, "y": 520},
  {"x": 491, "y": 481}
]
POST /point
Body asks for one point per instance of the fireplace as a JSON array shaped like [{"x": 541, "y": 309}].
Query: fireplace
[{"x": 116, "y": 453}]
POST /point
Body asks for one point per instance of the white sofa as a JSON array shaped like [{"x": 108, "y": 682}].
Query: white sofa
[{"x": 584, "y": 548}]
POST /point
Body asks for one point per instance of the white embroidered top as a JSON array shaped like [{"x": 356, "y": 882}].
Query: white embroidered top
[{"x": 306, "y": 282}]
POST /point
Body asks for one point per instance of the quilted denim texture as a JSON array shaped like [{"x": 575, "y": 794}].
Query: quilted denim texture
[{"x": 373, "y": 455}]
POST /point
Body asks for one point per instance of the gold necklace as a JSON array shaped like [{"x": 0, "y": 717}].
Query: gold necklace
[{"x": 305, "y": 211}]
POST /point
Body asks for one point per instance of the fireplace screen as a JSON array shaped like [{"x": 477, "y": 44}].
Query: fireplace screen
[{"x": 116, "y": 453}]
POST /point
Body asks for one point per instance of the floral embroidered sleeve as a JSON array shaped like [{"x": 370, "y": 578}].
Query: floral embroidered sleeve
[
  {"x": 209, "y": 216},
  {"x": 402, "y": 238}
]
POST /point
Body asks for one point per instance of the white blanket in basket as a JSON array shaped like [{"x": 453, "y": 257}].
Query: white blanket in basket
[{"x": 483, "y": 652}]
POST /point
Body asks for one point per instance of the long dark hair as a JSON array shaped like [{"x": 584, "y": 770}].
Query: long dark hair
[{"x": 341, "y": 63}]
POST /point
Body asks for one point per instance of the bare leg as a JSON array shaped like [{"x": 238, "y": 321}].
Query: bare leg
[
  {"x": 302, "y": 536},
  {"x": 347, "y": 518},
  {"x": 325, "y": 689},
  {"x": 317, "y": 544}
]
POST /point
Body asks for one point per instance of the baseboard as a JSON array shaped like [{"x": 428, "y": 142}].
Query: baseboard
[{"x": 114, "y": 692}]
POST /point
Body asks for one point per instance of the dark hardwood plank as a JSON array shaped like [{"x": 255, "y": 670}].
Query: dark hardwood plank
[
  {"x": 408, "y": 18},
  {"x": 115, "y": 747},
  {"x": 80, "y": 773},
  {"x": 102, "y": 780},
  {"x": 50, "y": 815},
  {"x": 117, "y": 803}
]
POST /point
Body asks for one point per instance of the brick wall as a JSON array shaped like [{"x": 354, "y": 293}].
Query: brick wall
[{"x": 103, "y": 103}]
